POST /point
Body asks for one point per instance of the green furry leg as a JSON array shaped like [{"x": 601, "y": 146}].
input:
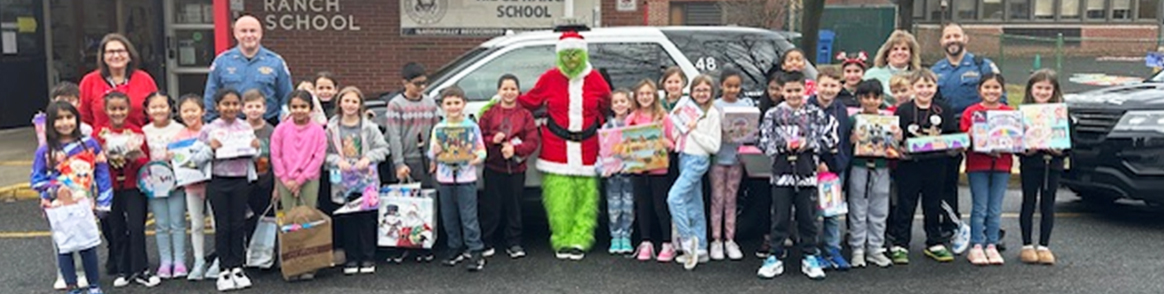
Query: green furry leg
[{"x": 572, "y": 209}]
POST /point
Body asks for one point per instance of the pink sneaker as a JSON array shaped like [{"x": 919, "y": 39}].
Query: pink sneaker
[
  {"x": 180, "y": 270},
  {"x": 667, "y": 254},
  {"x": 164, "y": 271},
  {"x": 646, "y": 251}
]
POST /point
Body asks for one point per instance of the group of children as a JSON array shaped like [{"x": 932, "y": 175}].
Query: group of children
[
  {"x": 803, "y": 131},
  {"x": 810, "y": 131}
]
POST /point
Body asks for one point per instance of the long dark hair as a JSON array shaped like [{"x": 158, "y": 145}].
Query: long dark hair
[
  {"x": 52, "y": 114},
  {"x": 1042, "y": 75},
  {"x": 134, "y": 59}
]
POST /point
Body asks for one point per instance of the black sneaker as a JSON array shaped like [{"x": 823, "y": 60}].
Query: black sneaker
[
  {"x": 455, "y": 258},
  {"x": 476, "y": 262},
  {"x": 764, "y": 250},
  {"x": 147, "y": 279},
  {"x": 351, "y": 268},
  {"x": 425, "y": 256},
  {"x": 515, "y": 252},
  {"x": 576, "y": 253},
  {"x": 399, "y": 256},
  {"x": 1001, "y": 246}
]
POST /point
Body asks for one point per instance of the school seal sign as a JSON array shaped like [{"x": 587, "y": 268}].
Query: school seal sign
[{"x": 425, "y": 11}]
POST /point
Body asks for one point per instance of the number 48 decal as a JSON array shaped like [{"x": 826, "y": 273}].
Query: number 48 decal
[{"x": 705, "y": 64}]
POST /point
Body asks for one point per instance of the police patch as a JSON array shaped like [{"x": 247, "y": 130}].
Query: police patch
[{"x": 266, "y": 70}]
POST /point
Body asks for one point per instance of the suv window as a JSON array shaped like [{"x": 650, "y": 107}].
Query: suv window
[
  {"x": 624, "y": 63},
  {"x": 754, "y": 55}
]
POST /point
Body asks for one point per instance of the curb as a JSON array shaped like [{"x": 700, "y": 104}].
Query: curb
[{"x": 16, "y": 192}]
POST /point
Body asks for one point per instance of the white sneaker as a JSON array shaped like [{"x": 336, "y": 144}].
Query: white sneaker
[
  {"x": 703, "y": 256},
  {"x": 812, "y": 268},
  {"x": 733, "y": 250},
  {"x": 212, "y": 270},
  {"x": 878, "y": 258},
  {"x": 858, "y": 258},
  {"x": 716, "y": 250},
  {"x": 225, "y": 282},
  {"x": 241, "y": 281},
  {"x": 772, "y": 267},
  {"x": 121, "y": 282},
  {"x": 691, "y": 253},
  {"x": 961, "y": 240},
  {"x": 489, "y": 252},
  {"x": 82, "y": 282},
  {"x": 60, "y": 283}
]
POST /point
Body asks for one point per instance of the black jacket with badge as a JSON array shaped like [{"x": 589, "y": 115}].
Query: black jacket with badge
[{"x": 938, "y": 119}]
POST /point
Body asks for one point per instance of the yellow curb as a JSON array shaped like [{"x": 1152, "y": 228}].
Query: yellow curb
[
  {"x": 27, "y": 163},
  {"x": 18, "y": 192}
]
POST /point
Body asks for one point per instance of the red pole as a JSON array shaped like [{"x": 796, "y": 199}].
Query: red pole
[
  {"x": 646, "y": 13},
  {"x": 221, "y": 26}
]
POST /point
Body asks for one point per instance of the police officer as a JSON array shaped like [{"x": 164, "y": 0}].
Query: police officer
[
  {"x": 249, "y": 66},
  {"x": 958, "y": 76}
]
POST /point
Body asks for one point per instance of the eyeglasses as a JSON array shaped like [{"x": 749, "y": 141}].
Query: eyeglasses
[
  {"x": 420, "y": 83},
  {"x": 116, "y": 52}
]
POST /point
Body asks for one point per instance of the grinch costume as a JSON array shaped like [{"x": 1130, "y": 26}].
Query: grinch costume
[{"x": 574, "y": 95}]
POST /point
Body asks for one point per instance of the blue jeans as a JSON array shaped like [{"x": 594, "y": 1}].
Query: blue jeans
[
  {"x": 458, "y": 203},
  {"x": 88, "y": 260},
  {"x": 831, "y": 227},
  {"x": 686, "y": 198},
  {"x": 170, "y": 223},
  {"x": 620, "y": 205},
  {"x": 987, "y": 190}
]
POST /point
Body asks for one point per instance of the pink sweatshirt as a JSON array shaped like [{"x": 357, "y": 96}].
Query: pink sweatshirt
[
  {"x": 297, "y": 152},
  {"x": 644, "y": 118}
]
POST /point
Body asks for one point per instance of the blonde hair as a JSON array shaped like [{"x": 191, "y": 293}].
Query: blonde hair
[
  {"x": 702, "y": 80},
  {"x": 899, "y": 80},
  {"x": 340, "y": 96},
  {"x": 656, "y": 109},
  {"x": 899, "y": 37}
]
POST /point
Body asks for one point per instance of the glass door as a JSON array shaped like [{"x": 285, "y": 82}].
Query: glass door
[{"x": 189, "y": 45}]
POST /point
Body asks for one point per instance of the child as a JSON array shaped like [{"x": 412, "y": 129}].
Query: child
[
  {"x": 169, "y": 207},
  {"x": 298, "y": 147},
  {"x": 726, "y": 174},
  {"x": 988, "y": 174},
  {"x": 458, "y": 185},
  {"x": 650, "y": 187},
  {"x": 853, "y": 69},
  {"x": 228, "y": 190},
  {"x": 126, "y": 152},
  {"x": 356, "y": 146},
  {"x": 869, "y": 189},
  {"x": 325, "y": 92},
  {"x": 685, "y": 199},
  {"x": 793, "y": 134},
  {"x": 68, "y": 92},
  {"x": 317, "y": 115},
  {"x": 1040, "y": 171},
  {"x": 829, "y": 87},
  {"x": 254, "y": 106},
  {"x": 619, "y": 192},
  {"x": 921, "y": 117},
  {"x": 794, "y": 61},
  {"x": 64, "y": 139},
  {"x": 191, "y": 110},
  {"x": 410, "y": 118},
  {"x": 673, "y": 82},
  {"x": 511, "y": 137},
  {"x": 761, "y": 186},
  {"x": 900, "y": 87}
]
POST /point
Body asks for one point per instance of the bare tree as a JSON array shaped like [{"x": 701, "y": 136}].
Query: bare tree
[{"x": 769, "y": 14}]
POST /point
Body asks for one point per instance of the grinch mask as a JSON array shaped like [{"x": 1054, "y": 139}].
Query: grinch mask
[{"x": 572, "y": 61}]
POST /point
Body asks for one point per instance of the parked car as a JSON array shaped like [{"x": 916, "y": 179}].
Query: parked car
[
  {"x": 1118, "y": 143},
  {"x": 626, "y": 55}
]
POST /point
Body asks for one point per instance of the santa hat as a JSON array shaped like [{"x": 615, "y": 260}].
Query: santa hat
[{"x": 570, "y": 40}]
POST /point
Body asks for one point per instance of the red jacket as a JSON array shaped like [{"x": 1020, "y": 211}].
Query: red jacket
[
  {"x": 94, "y": 87},
  {"x": 518, "y": 125},
  {"x": 126, "y": 176},
  {"x": 981, "y": 162},
  {"x": 576, "y": 105}
]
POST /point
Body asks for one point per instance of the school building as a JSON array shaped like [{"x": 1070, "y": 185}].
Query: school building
[{"x": 367, "y": 41}]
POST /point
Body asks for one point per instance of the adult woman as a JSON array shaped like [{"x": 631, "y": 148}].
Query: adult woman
[
  {"x": 117, "y": 70},
  {"x": 900, "y": 54}
]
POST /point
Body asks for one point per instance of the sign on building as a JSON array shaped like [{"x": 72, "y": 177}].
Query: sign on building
[{"x": 487, "y": 17}]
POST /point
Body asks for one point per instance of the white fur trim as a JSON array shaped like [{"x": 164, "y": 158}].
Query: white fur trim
[
  {"x": 570, "y": 43},
  {"x": 575, "y": 108},
  {"x": 566, "y": 169}
]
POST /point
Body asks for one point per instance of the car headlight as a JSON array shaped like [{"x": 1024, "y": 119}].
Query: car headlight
[{"x": 1141, "y": 121}]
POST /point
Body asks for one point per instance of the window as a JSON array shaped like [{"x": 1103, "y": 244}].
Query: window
[
  {"x": 1044, "y": 9},
  {"x": 1121, "y": 9},
  {"x": 755, "y": 56},
  {"x": 628, "y": 63},
  {"x": 919, "y": 10},
  {"x": 1149, "y": 9},
  {"x": 527, "y": 63},
  {"x": 1069, "y": 9},
  {"x": 702, "y": 14},
  {"x": 936, "y": 11},
  {"x": 967, "y": 10},
  {"x": 1095, "y": 9},
  {"x": 1019, "y": 9},
  {"x": 992, "y": 9}
]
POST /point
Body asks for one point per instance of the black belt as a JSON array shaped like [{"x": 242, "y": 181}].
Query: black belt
[{"x": 563, "y": 133}]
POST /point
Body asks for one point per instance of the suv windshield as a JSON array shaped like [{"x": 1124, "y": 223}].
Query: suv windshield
[
  {"x": 753, "y": 54},
  {"x": 1157, "y": 78}
]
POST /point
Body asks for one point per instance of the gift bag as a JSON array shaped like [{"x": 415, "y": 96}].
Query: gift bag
[
  {"x": 261, "y": 250},
  {"x": 304, "y": 241},
  {"x": 407, "y": 217},
  {"x": 74, "y": 226},
  {"x": 831, "y": 202}
]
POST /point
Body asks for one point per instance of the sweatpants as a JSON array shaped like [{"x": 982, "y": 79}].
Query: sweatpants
[
  {"x": 1039, "y": 186},
  {"x": 501, "y": 200},
  {"x": 620, "y": 205},
  {"x": 359, "y": 236},
  {"x": 125, "y": 231},
  {"x": 458, "y": 208},
  {"x": 725, "y": 183},
  {"x": 804, "y": 201},
  {"x": 949, "y": 192},
  {"x": 912, "y": 184},
  {"x": 651, "y": 211},
  {"x": 868, "y": 208},
  {"x": 229, "y": 196}
]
